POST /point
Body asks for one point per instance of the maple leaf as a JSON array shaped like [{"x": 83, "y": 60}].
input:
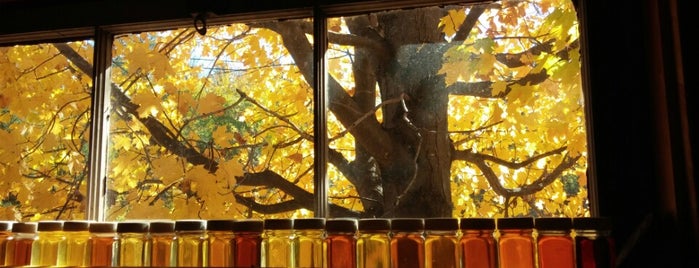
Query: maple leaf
[
  {"x": 210, "y": 103},
  {"x": 222, "y": 137}
]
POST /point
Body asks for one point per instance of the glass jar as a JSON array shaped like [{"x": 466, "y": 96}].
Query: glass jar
[
  {"x": 594, "y": 245},
  {"x": 308, "y": 242},
  {"x": 478, "y": 245},
  {"x": 192, "y": 243},
  {"x": 163, "y": 247},
  {"x": 341, "y": 243},
  {"x": 555, "y": 246},
  {"x": 103, "y": 244},
  {"x": 19, "y": 244},
  {"x": 77, "y": 248},
  {"x": 133, "y": 244},
  {"x": 374, "y": 243},
  {"x": 516, "y": 246},
  {"x": 5, "y": 234},
  {"x": 247, "y": 251},
  {"x": 221, "y": 244},
  {"x": 49, "y": 243},
  {"x": 442, "y": 243},
  {"x": 277, "y": 243},
  {"x": 407, "y": 243}
]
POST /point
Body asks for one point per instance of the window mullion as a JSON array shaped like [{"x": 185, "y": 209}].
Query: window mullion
[
  {"x": 319, "y": 110},
  {"x": 101, "y": 90}
]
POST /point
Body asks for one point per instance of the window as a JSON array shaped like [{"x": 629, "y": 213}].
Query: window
[
  {"x": 45, "y": 128},
  {"x": 457, "y": 110}
]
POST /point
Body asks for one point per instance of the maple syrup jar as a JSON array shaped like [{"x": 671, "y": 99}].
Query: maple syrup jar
[
  {"x": 103, "y": 244},
  {"x": 77, "y": 248},
  {"x": 5, "y": 233},
  {"x": 594, "y": 246},
  {"x": 341, "y": 243},
  {"x": 308, "y": 242},
  {"x": 133, "y": 244},
  {"x": 407, "y": 243},
  {"x": 374, "y": 243},
  {"x": 442, "y": 243},
  {"x": 220, "y": 235},
  {"x": 49, "y": 242},
  {"x": 163, "y": 250},
  {"x": 192, "y": 250},
  {"x": 516, "y": 246},
  {"x": 277, "y": 243},
  {"x": 555, "y": 246},
  {"x": 478, "y": 245},
  {"x": 248, "y": 242},
  {"x": 19, "y": 244}
]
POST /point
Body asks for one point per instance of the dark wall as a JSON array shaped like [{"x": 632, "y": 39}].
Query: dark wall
[{"x": 645, "y": 183}]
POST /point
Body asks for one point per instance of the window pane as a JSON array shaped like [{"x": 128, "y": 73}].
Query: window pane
[
  {"x": 215, "y": 126},
  {"x": 473, "y": 110},
  {"x": 45, "y": 92}
]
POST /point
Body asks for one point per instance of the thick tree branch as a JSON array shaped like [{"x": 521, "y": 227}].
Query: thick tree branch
[
  {"x": 471, "y": 19},
  {"x": 546, "y": 178},
  {"x": 301, "y": 198},
  {"x": 484, "y": 89},
  {"x": 368, "y": 133},
  {"x": 161, "y": 134}
]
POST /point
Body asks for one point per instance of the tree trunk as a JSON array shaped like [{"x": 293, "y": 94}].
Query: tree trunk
[{"x": 416, "y": 183}]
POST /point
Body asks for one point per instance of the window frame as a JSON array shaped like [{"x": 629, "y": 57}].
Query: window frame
[{"x": 38, "y": 24}]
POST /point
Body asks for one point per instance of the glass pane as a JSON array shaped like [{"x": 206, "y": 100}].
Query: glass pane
[
  {"x": 45, "y": 99},
  {"x": 215, "y": 126},
  {"x": 463, "y": 110}
]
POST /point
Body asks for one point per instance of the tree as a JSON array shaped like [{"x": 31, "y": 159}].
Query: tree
[{"x": 441, "y": 111}]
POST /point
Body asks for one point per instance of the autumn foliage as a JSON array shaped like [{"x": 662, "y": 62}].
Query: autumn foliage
[{"x": 473, "y": 110}]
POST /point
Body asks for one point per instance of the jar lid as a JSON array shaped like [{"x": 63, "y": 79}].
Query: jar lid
[
  {"x": 477, "y": 224},
  {"x": 559, "y": 224},
  {"x": 49, "y": 226},
  {"x": 6, "y": 225},
  {"x": 442, "y": 224},
  {"x": 408, "y": 224},
  {"x": 309, "y": 224},
  {"x": 76, "y": 226},
  {"x": 219, "y": 225},
  {"x": 132, "y": 227},
  {"x": 377, "y": 224},
  {"x": 341, "y": 225},
  {"x": 278, "y": 224},
  {"x": 592, "y": 223},
  {"x": 24, "y": 227},
  {"x": 248, "y": 225},
  {"x": 103, "y": 227},
  {"x": 515, "y": 223},
  {"x": 162, "y": 226},
  {"x": 190, "y": 225}
]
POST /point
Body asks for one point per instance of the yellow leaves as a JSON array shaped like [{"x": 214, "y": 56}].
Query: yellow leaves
[
  {"x": 452, "y": 21},
  {"x": 149, "y": 104},
  {"x": 453, "y": 71},
  {"x": 210, "y": 103},
  {"x": 499, "y": 87},
  {"x": 10, "y": 148},
  {"x": 168, "y": 168},
  {"x": 296, "y": 157},
  {"x": 486, "y": 64},
  {"x": 228, "y": 170},
  {"x": 222, "y": 136},
  {"x": 143, "y": 59}
]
